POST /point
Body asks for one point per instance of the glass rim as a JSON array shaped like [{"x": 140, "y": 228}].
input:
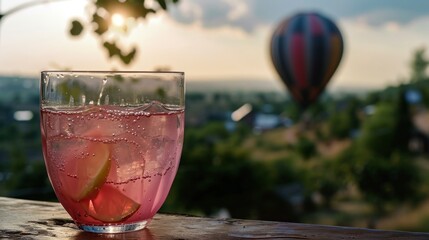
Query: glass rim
[{"x": 111, "y": 72}]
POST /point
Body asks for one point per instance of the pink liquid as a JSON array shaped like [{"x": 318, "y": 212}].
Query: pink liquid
[{"x": 130, "y": 185}]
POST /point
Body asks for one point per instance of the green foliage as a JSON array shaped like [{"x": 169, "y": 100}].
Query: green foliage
[
  {"x": 76, "y": 28},
  {"x": 217, "y": 173},
  {"x": 381, "y": 165},
  {"x": 292, "y": 110},
  {"x": 101, "y": 23},
  {"x": 342, "y": 122},
  {"x": 419, "y": 66},
  {"x": 394, "y": 179},
  {"x": 340, "y": 125},
  {"x": 378, "y": 131},
  {"x": 404, "y": 124},
  {"x": 214, "y": 175},
  {"x": 28, "y": 179},
  {"x": 17, "y": 166},
  {"x": 423, "y": 88},
  {"x": 328, "y": 177},
  {"x": 305, "y": 147},
  {"x": 113, "y": 50},
  {"x": 388, "y": 129},
  {"x": 285, "y": 171}
]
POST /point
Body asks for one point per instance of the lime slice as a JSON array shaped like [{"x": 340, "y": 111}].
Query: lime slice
[
  {"x": 91, "y": 171},
  {"x": 110, "y": 205}
]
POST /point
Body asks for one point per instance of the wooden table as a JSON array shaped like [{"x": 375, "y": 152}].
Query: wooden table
[{"x": 24, "y": 219}]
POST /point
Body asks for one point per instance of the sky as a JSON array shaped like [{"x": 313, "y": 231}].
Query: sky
[{"x": 218, "y": 39}]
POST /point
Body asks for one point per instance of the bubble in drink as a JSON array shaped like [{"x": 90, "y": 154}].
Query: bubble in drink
[{"x": 106, "y": 174}]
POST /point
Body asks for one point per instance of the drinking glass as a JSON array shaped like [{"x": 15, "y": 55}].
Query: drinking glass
[{"x": 112, "y": 143}]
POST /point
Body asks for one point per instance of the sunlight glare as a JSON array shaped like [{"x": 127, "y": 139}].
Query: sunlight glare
[{"x": 118, "y": 20}]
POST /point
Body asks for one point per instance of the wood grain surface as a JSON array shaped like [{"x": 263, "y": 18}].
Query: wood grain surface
[{"x": 24, "y": 219}]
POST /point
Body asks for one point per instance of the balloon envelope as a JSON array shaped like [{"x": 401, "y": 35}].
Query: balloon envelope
[{"x": 306, "y": 50}]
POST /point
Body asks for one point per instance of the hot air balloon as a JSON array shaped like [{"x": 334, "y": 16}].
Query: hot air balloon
[{"x": 306, "y": 50}]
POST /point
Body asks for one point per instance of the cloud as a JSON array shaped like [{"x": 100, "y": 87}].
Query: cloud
[
  {"x": 250, "y": 14},
  {"x": 213, "y": 14}
]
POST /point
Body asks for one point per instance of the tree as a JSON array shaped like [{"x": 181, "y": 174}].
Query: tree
[
  {"x": 389, "y": 180},
  {"x": 389, "y": 128},
  {"x": 215, "y": 174},
  {"x": 328, "y": 177},
  {"x": 343, "y": 120},
  {"x": 306, "y": 147},
  {"x": 419, "y": 66},
  {"x": 103, "y": 16},
  {"x": 382, "y": 167}
]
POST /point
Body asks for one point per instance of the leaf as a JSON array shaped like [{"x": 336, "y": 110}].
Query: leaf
[
  {"x": 147, "y": 11},
  {"x": 76, "y": 28},
  {"x": 102, "y": 24},
  {"x": 112, "y": 48},
  {"x": 163, "y": 4},
  {"x": 129, "y": 57}
]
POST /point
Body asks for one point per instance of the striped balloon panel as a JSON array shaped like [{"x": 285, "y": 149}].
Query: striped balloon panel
[{"x": 306, "y": 50}]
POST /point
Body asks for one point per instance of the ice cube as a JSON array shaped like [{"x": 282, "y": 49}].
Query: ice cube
[{"x": 128, "y": 161}]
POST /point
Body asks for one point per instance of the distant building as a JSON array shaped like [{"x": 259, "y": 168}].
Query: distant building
[{"x": 259, "y": 121}]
